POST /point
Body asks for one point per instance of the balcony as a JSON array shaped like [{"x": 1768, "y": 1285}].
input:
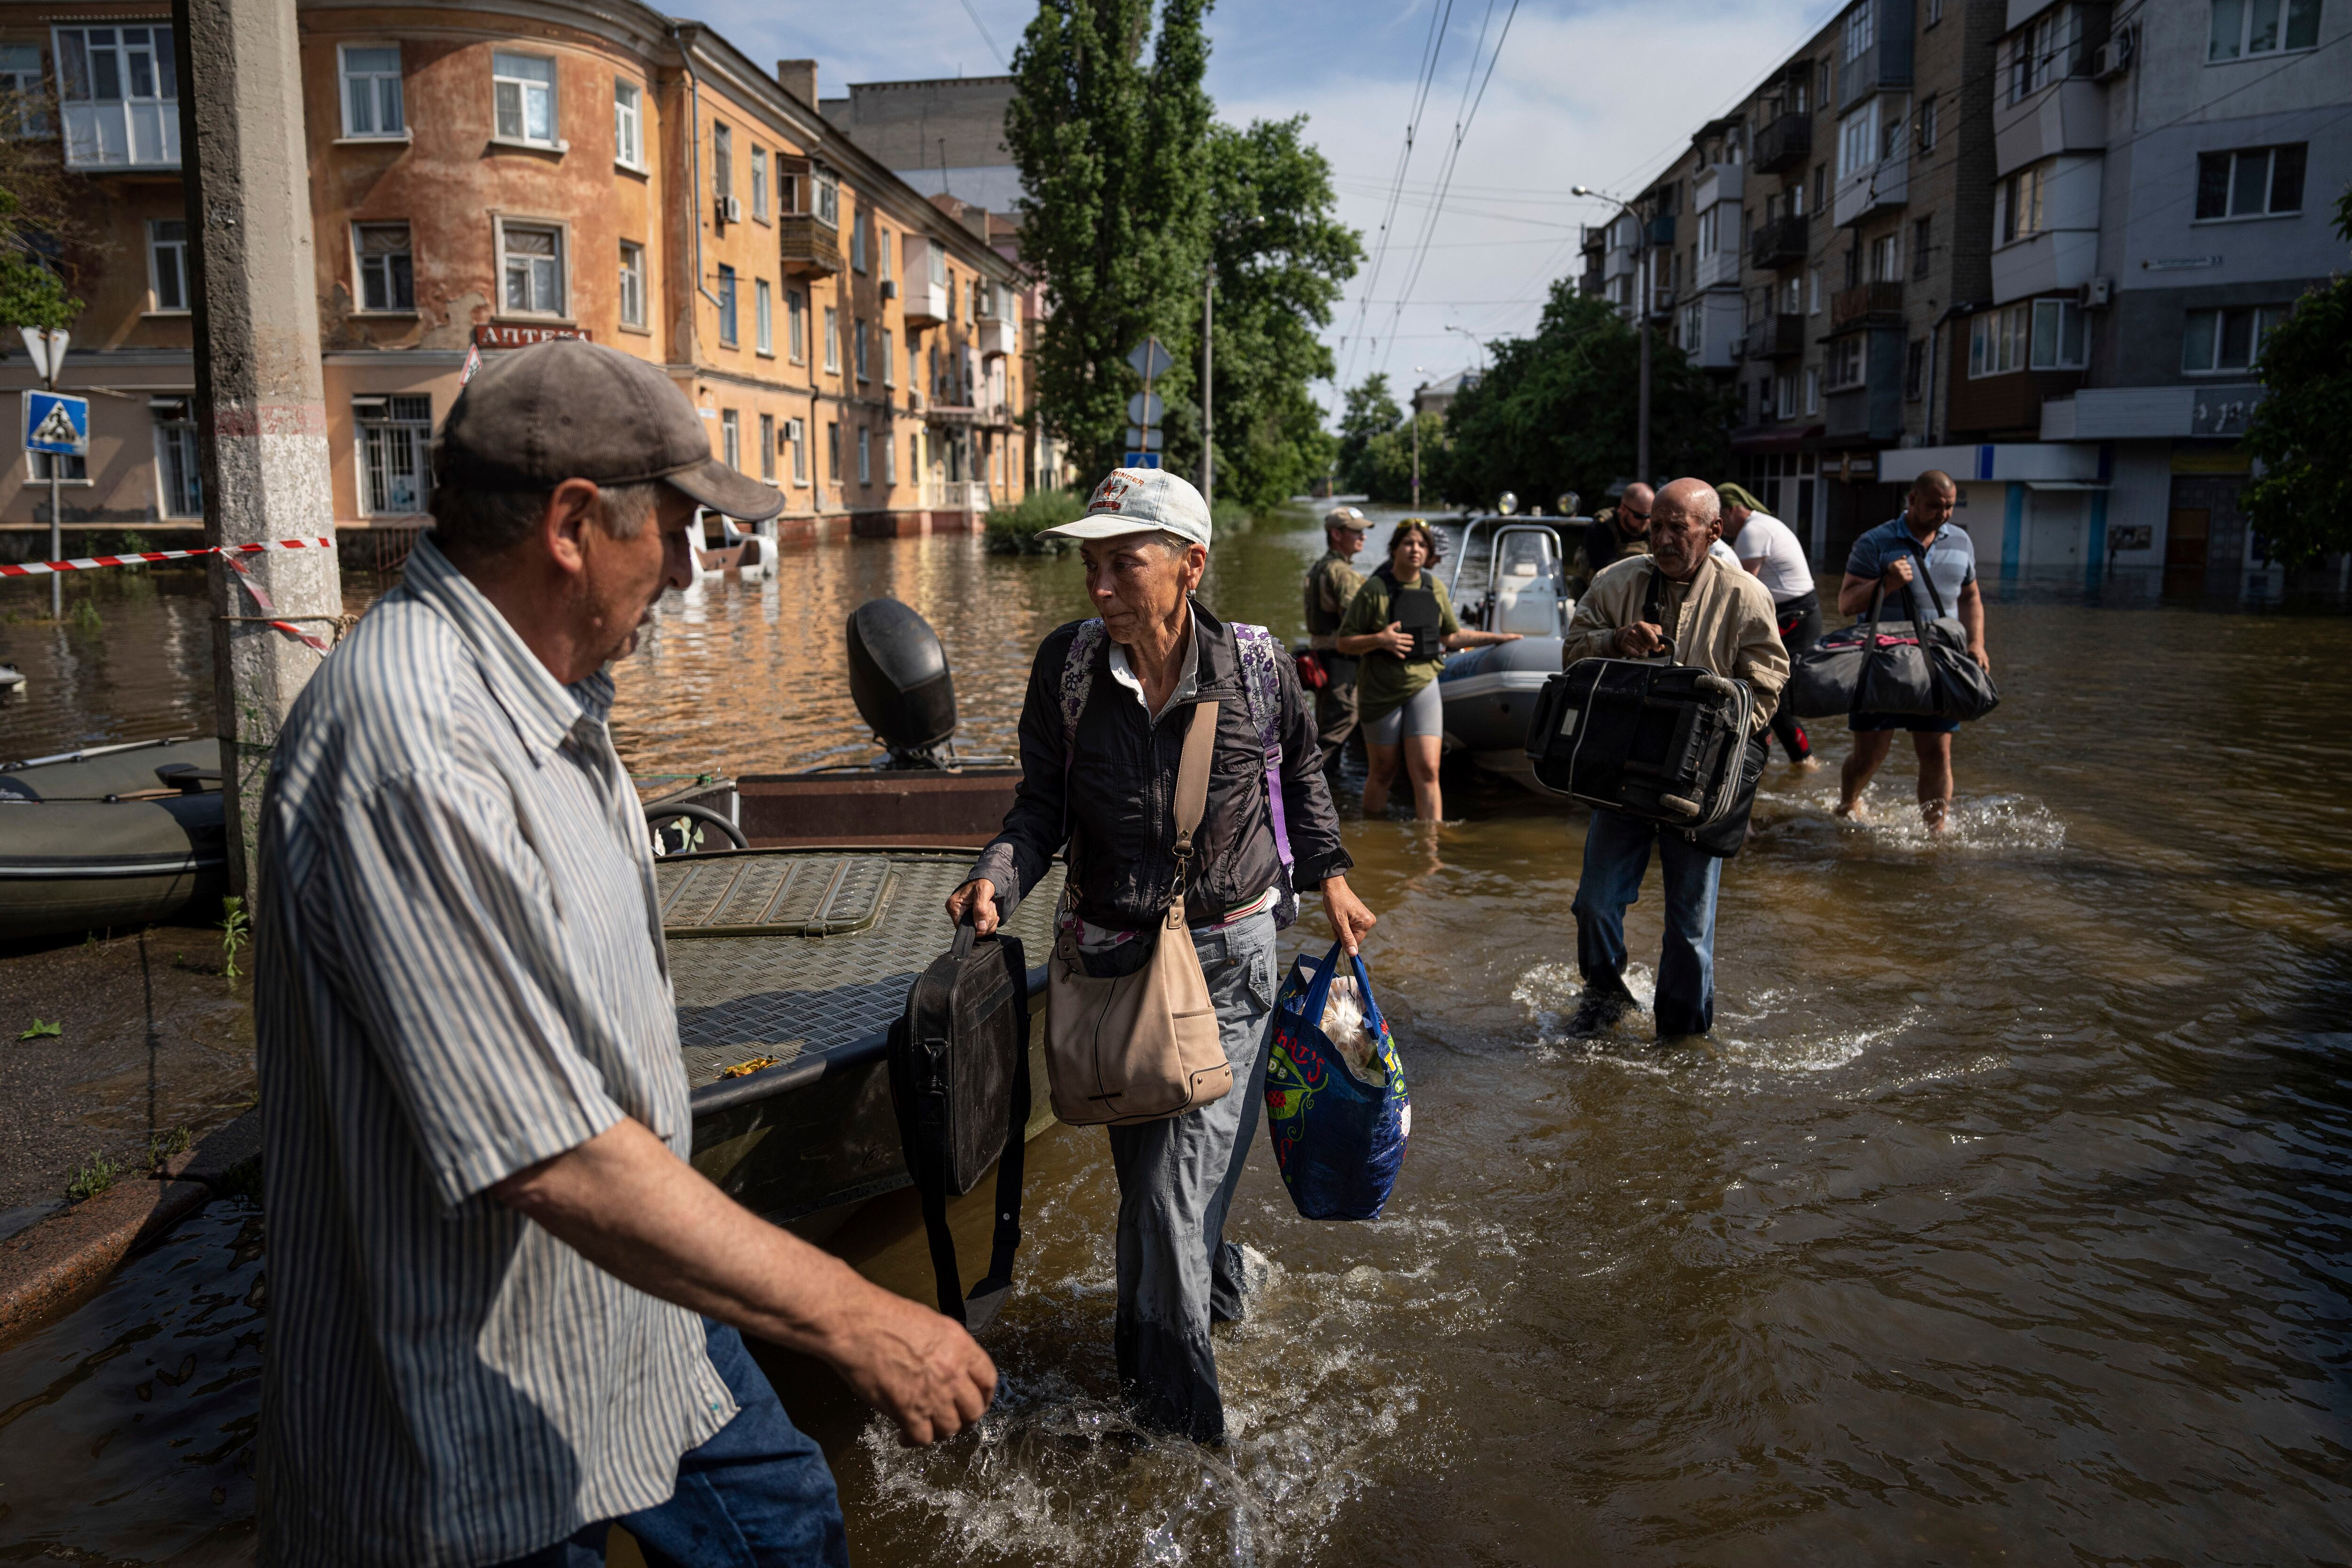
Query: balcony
[
  {"x": 957, "y": 495},
  {"x": 927, "y": 304},
  {"x": 973, "y": 417},
  {"x": 1775, "y": 337},
  {"x": 809, "y": 246},
  {"x": 1784, "y": 144},
  {"x": 1720, "y": 183},
  {"x": 997, "y": 336},
  {"x": 1867, "y": 300},
  {"x": 1886, "y": 62},
  {"x": 1720, "y": 268},
  {"x": 1662, "y": 230},
  {"x": 1780, "y": 242},
  {"x": 1881, "y": 186}
]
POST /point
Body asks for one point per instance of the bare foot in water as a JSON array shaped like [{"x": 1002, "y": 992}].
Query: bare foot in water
[
  {"x": 1854, "y": 810},
  {"x": 1935, "y": 813}
]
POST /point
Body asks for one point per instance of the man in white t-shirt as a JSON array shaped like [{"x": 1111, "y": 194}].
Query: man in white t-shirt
[{"x": 1768, "y": 548}]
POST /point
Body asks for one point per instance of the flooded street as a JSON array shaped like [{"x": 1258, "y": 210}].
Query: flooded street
[{"x": 2005, "y": 1217}]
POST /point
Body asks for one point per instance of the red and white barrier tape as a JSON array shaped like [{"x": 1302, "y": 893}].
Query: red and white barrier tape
[{"x": 87, "y": 563}]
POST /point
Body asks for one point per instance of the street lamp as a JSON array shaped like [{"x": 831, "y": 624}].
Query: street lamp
[
  {"x": 1413, "y": 413},
  {"x": 1642, "y": 321}
]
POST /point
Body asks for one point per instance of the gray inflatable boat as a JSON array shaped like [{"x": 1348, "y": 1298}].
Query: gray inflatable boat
[{"x": 113, "y": 837}]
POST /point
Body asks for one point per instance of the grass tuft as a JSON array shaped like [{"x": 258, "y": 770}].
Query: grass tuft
[{"x": 97, "y": 1175}]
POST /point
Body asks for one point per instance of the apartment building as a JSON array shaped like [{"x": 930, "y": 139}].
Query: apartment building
[
  {"x": 486, "y": 174},
  {"x": 2035, "y": 245}
]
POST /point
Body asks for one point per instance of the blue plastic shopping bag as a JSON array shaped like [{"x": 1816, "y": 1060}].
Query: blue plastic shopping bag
[{"x": 1339, "y": 1125}]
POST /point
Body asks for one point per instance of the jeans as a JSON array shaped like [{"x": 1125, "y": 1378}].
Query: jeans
[
  {"x": 1177, "y": 1273},
  {"x": 1616, "y": 857},
  {"x": 757, "y": 1495}
]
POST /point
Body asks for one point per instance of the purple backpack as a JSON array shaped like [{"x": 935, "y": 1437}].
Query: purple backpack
[{"x": 1261, "y": 660}]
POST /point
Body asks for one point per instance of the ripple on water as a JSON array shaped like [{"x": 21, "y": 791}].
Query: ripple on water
[{"x": 1980, "y": 825}]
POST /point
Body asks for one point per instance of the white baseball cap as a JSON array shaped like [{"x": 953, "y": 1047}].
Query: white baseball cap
[{"x": 1141, "y": 500}]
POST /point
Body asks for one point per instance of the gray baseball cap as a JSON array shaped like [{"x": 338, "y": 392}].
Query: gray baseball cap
[{"x": 568, "y": 409}]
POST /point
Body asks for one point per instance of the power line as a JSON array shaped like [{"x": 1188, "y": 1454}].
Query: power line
[
  {"x": 1431, "y": 48},
  {"x": 986, "y": 37}
]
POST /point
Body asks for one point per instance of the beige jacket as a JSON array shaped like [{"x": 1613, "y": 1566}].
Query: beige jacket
[{"x": 1720, "y": 620}]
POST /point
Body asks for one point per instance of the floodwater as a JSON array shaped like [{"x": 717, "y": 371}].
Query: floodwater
[{"x": 2003, "y": 1219}]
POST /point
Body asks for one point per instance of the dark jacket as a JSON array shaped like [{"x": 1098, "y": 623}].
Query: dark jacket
[{"x": 1117, "y": 810}]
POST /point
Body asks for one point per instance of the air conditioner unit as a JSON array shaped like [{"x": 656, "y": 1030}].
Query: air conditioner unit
[
  {"x": 792, "y": 431},
  {"x": 2098, "y": 294},
  {"x": 730, "y": 209},
  {"x": 890, "y": 288},
  {"x": 2112, "y": 58}
]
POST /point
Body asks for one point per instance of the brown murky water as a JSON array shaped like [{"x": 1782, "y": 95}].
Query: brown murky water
[{"x": 2004, "y": 1218}]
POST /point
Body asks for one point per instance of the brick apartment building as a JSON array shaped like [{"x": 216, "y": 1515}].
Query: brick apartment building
[
  {"x": 2033, "y": 244},
  {"x": 484, "y": 175}
]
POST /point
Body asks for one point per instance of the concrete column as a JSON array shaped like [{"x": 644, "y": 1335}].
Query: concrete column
[{"x": 261, "y": 409}]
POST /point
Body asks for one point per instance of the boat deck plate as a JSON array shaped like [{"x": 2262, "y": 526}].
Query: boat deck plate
[{"x": 856, "y": 929}]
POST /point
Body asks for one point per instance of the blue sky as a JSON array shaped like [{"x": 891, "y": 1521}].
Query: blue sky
[{"x": 1594, "y": 92}]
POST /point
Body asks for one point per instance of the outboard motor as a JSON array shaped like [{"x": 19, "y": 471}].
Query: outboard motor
[{"x": 899, "y": 677}]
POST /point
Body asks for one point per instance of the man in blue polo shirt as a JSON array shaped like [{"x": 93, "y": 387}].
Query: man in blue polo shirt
[{"x": 1887, "y": 558}]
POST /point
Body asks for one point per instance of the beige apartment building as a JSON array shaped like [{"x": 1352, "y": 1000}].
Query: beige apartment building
[{"x": 486, "y": 175}]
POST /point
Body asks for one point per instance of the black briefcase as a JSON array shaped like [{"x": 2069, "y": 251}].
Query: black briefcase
[
  {"x": 959, "y": 1082},
  {"x": 1664, "y": 743}
]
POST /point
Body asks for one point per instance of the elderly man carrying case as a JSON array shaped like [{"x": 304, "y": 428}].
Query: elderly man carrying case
[{"x": 1718, "y": 620}]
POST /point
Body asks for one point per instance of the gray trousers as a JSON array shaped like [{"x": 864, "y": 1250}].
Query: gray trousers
[
  {"x": 1177, "y": 1273},
  {"x": 1335, "y": 709}
]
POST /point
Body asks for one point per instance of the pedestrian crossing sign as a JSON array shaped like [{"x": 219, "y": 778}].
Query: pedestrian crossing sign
[
  {"x": 1140, "y": 461},
  {"x": 56, "y": 424}
]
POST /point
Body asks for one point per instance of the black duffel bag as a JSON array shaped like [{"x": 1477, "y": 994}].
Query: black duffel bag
[
  {"x": 959, "y": 1082},
  {"x": 1868, "y": 668}
]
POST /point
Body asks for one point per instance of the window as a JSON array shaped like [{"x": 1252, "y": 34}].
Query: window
[
  {"x": 1709, "y": 225},
  {"x": 889, "y": 461},
  {"x": 1814, "y": 291},
  {"x": 387, "y": 273},
  {"x": 833, "y": 453},
  {"x": 857, "y": 244},
  {"x": 372, "y": 105},
  {"x": 179, "y": 477},
  {"x": 796, "y": 325},
  {"x": 833, "y": 344},
  {"x": 1927, "y": 107},
  {"x": 628, "y": 125},
  {"x": 2049, "y": 48},
  {"x": 2218, "y": 340},
  {"x": 522, "y": 92},
  {"x": 2061, "y": 335},
  {"x": 1793, "y": 296},
  {"x": 1861, "y": 30},
  {"x": 2243, "y": 27},
  {"x": 1998, "y": 341},
  {"x": 857, "y": 346},
  {"x": 1890, "y": 134},
  {"x": 71, "y": 470},
  {"x": 727, "y": 306},
  {"x": 1784, "y": 397},
  {"x": 1886, "y": 258},
  {"x": 2255, "y": 182},
  {"x": 1812, "y": 390},
  {"x": 27, "y": 98},
  {"x": 730, "y": 438},
  {"x": 1935, "y": 12},
  {"x": 882, "y": 254},
  {"x": 915, "y": 456},
  {"x": 1844, "y": 363},
  {"x": 722, "y": 161},
  {"x": 393, "y": 432},
  {"x": 2017, "y": 203},
  {"x": 759, "y": 183},
  {"x": 889, "y": 356},
  {"x": 828, "y": 197},
  {"x": 533, "y": 268},
  {"x": 1914, "y": 369},
  {"x": 1858, "y": 140},
  {"x": 167, "y": 263},
  {"x": 799, "y": 444},
  {"x": 1921, "y": 232},
  {"x": 938, "y": 265},
  {"x": 788, "y": 191},
  {"x": 768, "y": 448},
  {"x": 763, "y": 317},
  {"x": 121, "y": 97},
  {"x": 633, "y": 284},
  {"x": 865, "y": 456}
]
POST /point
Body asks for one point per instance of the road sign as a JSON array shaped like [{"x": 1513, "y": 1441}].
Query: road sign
[
  {"x": 1144, "y": 440},
  {"x": 1145, "y": 408},
  {"x": 57, "y": 424},
  {"x": 1140, "y": 461},
  {"x": 1150, "y": 358}
]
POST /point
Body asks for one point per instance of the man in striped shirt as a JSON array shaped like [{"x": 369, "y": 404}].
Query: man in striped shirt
[{"x": 504, "y": 1310}]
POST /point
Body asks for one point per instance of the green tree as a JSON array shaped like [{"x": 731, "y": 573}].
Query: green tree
[
  {"x": 1385, "y": 473},
  {"x": 1111, "y": 151},
  {"x": 1557, "y": 410},
  {"x": 42, "y": 210},
  {"x": 1281, "y": 258},
  {"x": 2302, "y": 504},
  {"x": 1370, "y": 411}
]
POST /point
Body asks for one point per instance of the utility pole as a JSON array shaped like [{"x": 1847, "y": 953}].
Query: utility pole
[
  {"x": 261, "y": 410},
  {"x": 48, "y": 351},
  {"x": 1209, "y": 386},
  {"x": 1413, "y": 412}
]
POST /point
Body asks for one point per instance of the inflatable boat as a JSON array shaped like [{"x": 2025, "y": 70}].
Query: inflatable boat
[
  {"x": 110, "y": 836},
  {"x": 1508, "y": 575}
]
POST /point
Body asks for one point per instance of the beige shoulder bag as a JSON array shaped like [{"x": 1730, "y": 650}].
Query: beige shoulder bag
[{"x": 1141, "y": 1047}]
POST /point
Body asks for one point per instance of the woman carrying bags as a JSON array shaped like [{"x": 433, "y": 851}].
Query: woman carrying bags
[
  {"x": 1182, "y": 852},
  {"x": 1402, "y": 627}
]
